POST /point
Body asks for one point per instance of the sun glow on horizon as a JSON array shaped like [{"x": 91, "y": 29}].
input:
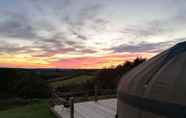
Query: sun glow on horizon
[{"x": 80, "y": 62}]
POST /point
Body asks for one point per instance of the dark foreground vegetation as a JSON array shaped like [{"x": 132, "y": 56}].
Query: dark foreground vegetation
[
  {"x": 16, "y": 84},
  {"x": 35, "y": 109}
]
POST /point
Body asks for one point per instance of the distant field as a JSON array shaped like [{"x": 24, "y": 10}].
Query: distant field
[
  {"x": 72, "y": 81},
  {"x": 35, "y": 110}
]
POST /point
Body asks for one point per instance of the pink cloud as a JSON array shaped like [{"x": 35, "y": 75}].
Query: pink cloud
[{"x": 98, "y": 62}]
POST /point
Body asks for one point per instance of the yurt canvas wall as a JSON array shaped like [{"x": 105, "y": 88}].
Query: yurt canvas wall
[{"x": 161, "y": 79}]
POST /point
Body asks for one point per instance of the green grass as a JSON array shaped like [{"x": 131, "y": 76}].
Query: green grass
[
  {"x": 75, "y": 80},
  {"x": 34, "y": 110}
]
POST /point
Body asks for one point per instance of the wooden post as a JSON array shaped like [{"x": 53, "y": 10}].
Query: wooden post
[
  {"x": 95, "y": 92},
  {"x": 116, "y": 116},
  {"x": 87, "y": 94},
  {"x": 71, "y": 107}
]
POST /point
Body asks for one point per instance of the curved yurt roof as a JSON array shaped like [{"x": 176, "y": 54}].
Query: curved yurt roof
[{"x": 160, "y": 80}]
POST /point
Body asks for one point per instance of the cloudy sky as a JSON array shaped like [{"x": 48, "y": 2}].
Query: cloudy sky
[{"x": 87, "y": 33}]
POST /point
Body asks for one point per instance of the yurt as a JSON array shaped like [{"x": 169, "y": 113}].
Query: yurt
[{"x": 155, "y": 88}]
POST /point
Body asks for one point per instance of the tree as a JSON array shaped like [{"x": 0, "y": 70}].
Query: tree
[
  {"x": 16, "y": 83},
  {"x": 108, "y": 78}
]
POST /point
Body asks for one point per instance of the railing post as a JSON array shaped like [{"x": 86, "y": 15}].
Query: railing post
[
  {"x": 87, "y": 94},
  {"x": 71, "y": 107},
  {"x": 95, "y": 92},
  {"x": 116, "y": 116}
]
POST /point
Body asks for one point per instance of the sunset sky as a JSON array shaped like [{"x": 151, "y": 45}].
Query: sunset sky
[{"x": 87, "y": 33}]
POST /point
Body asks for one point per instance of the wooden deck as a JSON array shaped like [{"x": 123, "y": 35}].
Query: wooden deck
[{"x": 99, "y": 109}]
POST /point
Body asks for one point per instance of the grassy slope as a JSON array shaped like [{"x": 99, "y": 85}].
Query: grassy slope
[
  {"x": 75, "y": 80},
  {"x": 35, "y": 110}
]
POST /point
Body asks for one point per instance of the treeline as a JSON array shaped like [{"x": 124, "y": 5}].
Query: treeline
[{"x": 18, "y": 84}]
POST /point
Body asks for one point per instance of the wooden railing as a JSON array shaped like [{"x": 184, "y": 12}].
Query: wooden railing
[
  {"x": 85, "y": 95},
  {"x": 69, "y": 98}
]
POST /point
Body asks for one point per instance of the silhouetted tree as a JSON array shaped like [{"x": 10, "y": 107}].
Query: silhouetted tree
[
  {"x": 109, "y": 78},
  {"x": 15, "y": 83}
]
